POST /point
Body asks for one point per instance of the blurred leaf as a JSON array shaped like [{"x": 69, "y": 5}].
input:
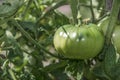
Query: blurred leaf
[
  {"x": 2, "y": 32},
  {"x": 116, "y": 70},
  {"x": 85, "y": 12},
  {"x": 3, "y": 21},
  {"x": 59, "y": 75},
  {"x": 58, "y": 20},
  {"x": 9, "y": 7},
  {"x": 98, "y": 71},
  {"x": 11, "y": 41},
  {"x": 28, "y": 26},
  {"x": 107, "y": 69},
  {"x": 110, "y": 60},
  {"x": 15, "y": 53},
  {"x": 19, "y": 63},
  {"x": 75, "y": 69},
  {"x": 88, "y": 73},
  {"x": 55, "y": 66}
]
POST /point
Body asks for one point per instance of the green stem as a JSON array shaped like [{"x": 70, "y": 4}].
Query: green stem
[
  {"x": 26, "y": 9},
  {"x": 102, "y": 17},
  {"x": 92, "y": 11},
  {"x": 16, "y": 24},
  {"x": 112, "y": 20},
  {"x": 12, "y": 74},
  {"x": 36, "y": 3},
  {"x": 79, "y": 15},
  {"x": 74, "y": 8},
  {"x": 86, "y": 5}
]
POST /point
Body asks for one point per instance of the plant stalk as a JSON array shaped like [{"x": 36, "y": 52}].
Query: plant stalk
[
  {"x": 74, "y": 8},
  {"x": 16, "y": 24},
  {"x": 112, "y": 20},
  {"x": 92, "y": 11}
]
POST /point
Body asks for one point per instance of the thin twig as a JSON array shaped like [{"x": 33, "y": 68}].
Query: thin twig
[
  {"x": 85, "y": 5},
  {"x": 102, "y": 17}
]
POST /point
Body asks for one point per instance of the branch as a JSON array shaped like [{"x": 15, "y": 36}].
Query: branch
[
  {"x": 112, "y": 20},
  {"x": 16, "y": 24}
]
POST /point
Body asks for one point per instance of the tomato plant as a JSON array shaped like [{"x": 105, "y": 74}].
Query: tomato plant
[
  {"x": 78, "y": 42},
  {"x": 27, "y": 29}
]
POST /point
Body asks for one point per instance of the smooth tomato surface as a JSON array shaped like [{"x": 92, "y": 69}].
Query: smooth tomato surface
[
  {"x": 116, "y": 38},
  {"x": 78, "y": 42}
]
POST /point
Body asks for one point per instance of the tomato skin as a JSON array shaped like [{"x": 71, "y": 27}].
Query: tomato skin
[
  {"x": 115, "y": 36},
  {"x": 103, "y": 25},
  {"x": 78, "y": 42}
]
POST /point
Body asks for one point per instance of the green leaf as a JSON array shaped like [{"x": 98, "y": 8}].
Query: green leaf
[
  {"x": 75, "y": 69},
  {"x": 55, "y": 66},
  {"x": 98, "y": 71},
  {"x": 2, "y": 31},
  {"x": 11, "y": 41},
  {"x": 28, "y": 26},
  {"x": 110, "y": 60},
  {"x": 21, "y": 66},
  {"x": 9, "y": 7},
  {"x": 116, "y": 70},
  {"x": 15, "y": 53}
]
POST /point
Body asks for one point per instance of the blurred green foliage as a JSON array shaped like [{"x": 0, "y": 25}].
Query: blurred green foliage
[{"x": 27, "y": 28}]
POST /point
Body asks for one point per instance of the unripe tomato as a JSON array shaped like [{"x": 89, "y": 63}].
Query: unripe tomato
[
  {"x": 103, "y": 25},
  {"x": 115, "y": 36},
  {"x": 78, "y": 42}
]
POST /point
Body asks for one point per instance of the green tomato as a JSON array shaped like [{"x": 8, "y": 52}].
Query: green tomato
[
  {"x": 78, "y": 42},
  {"x": 103, "y": 25},
  {"x": 115, "y": 36}
]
